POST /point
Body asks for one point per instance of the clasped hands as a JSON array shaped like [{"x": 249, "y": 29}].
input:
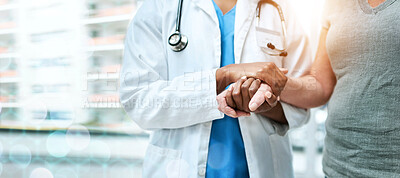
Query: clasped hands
[{"x": 256, "y": 88}]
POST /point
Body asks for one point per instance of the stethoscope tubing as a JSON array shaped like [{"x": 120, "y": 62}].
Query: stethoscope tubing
[
  {"x": 179, "y": 16},
  {"x": 183, "y": 40},
  {"x": 283, "y": 51}
]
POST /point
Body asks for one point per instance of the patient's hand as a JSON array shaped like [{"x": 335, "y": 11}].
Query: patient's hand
[{"x": 245, "y": 96}]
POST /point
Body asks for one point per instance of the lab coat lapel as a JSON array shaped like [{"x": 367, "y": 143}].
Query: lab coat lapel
[
  {"x": 245, "y": 12},
  {"x": 208, "y": 7}
]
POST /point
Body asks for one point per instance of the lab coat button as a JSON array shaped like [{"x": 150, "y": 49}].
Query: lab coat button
[{"x": 202, "y": 171}]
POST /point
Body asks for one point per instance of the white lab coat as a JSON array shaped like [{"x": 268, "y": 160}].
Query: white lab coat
[{"x": 173, "y": 94}]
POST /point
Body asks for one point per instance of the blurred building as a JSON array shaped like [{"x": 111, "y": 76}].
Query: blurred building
[{"x": 59, "y": 71}]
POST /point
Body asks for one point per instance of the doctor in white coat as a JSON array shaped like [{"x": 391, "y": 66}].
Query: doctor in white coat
[{"x": 173, "y": 94}]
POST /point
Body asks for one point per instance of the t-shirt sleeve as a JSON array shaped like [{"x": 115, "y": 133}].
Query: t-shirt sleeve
[{"x": 326, "y": 13}]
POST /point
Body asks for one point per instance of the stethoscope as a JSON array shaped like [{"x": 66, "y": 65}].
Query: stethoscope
[
  {"x": 270, "y": 48},
  {"x": 178, "y": 41}
]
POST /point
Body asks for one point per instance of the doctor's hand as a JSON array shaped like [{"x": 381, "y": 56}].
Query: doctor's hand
[
  {"x": 251, "y": 95},
  {"x": 245, "y": 96},
  {"x": 267, "y": 72}
]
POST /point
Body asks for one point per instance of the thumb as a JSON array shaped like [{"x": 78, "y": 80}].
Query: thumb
[
  {"x": 284, "y": 70},
  {"x": 259, "y": 97}
]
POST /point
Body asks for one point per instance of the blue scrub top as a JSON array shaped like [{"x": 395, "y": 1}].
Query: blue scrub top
[{"x": 226, "y": 155}]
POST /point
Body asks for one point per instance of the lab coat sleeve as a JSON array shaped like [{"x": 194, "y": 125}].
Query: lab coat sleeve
[
  {"x": 298, "y": 62},
  {"x": 147, "y": 94}
]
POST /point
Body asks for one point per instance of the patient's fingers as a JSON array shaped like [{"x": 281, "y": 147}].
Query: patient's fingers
[
  {"x": 259, "y": 97},
  {"x": 271, "y": 99},
  {"x": 223, "y": 107}
]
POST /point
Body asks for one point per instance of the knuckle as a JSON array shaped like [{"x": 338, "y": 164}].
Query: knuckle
[
  {"x": 250, "y": 82},
  {"x": 244, "y": 86},
  {"x": 229, "y": 93},
  {"x": 253, "y": 90},
  {"x": 235, "y": 93}
]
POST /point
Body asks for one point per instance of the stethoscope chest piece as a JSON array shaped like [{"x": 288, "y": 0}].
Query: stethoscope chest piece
[{"x": 177, "y": 41}]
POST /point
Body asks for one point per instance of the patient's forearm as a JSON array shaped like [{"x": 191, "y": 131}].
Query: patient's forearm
[
  {"x": 305, "y": 92},
  {"x": 315, "y": 88}
]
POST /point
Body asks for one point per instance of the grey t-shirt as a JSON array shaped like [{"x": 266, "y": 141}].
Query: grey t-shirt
[{"x": 363, "y": 125}]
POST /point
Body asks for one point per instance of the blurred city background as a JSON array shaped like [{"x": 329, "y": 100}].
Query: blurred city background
[{"x": 59, "y": 107}]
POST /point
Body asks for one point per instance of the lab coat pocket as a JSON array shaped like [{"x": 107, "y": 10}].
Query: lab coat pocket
[
  {"x": 162, "y": 162},
  {"x": 265, "y": 36},
  {"x": 256, "y": 47}
]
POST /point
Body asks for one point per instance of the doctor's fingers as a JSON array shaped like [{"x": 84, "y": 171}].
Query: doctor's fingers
[
  {"x": 254, "y": 87},
  {"x": 245, "y": 88},
  {"x": 224, "y": 108},
  {"x": 229, "y": 98},
  {"x": 237, "y": 96},
  {"x": 263, "y": 108},
  {"x": 273, "y": 76}
]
